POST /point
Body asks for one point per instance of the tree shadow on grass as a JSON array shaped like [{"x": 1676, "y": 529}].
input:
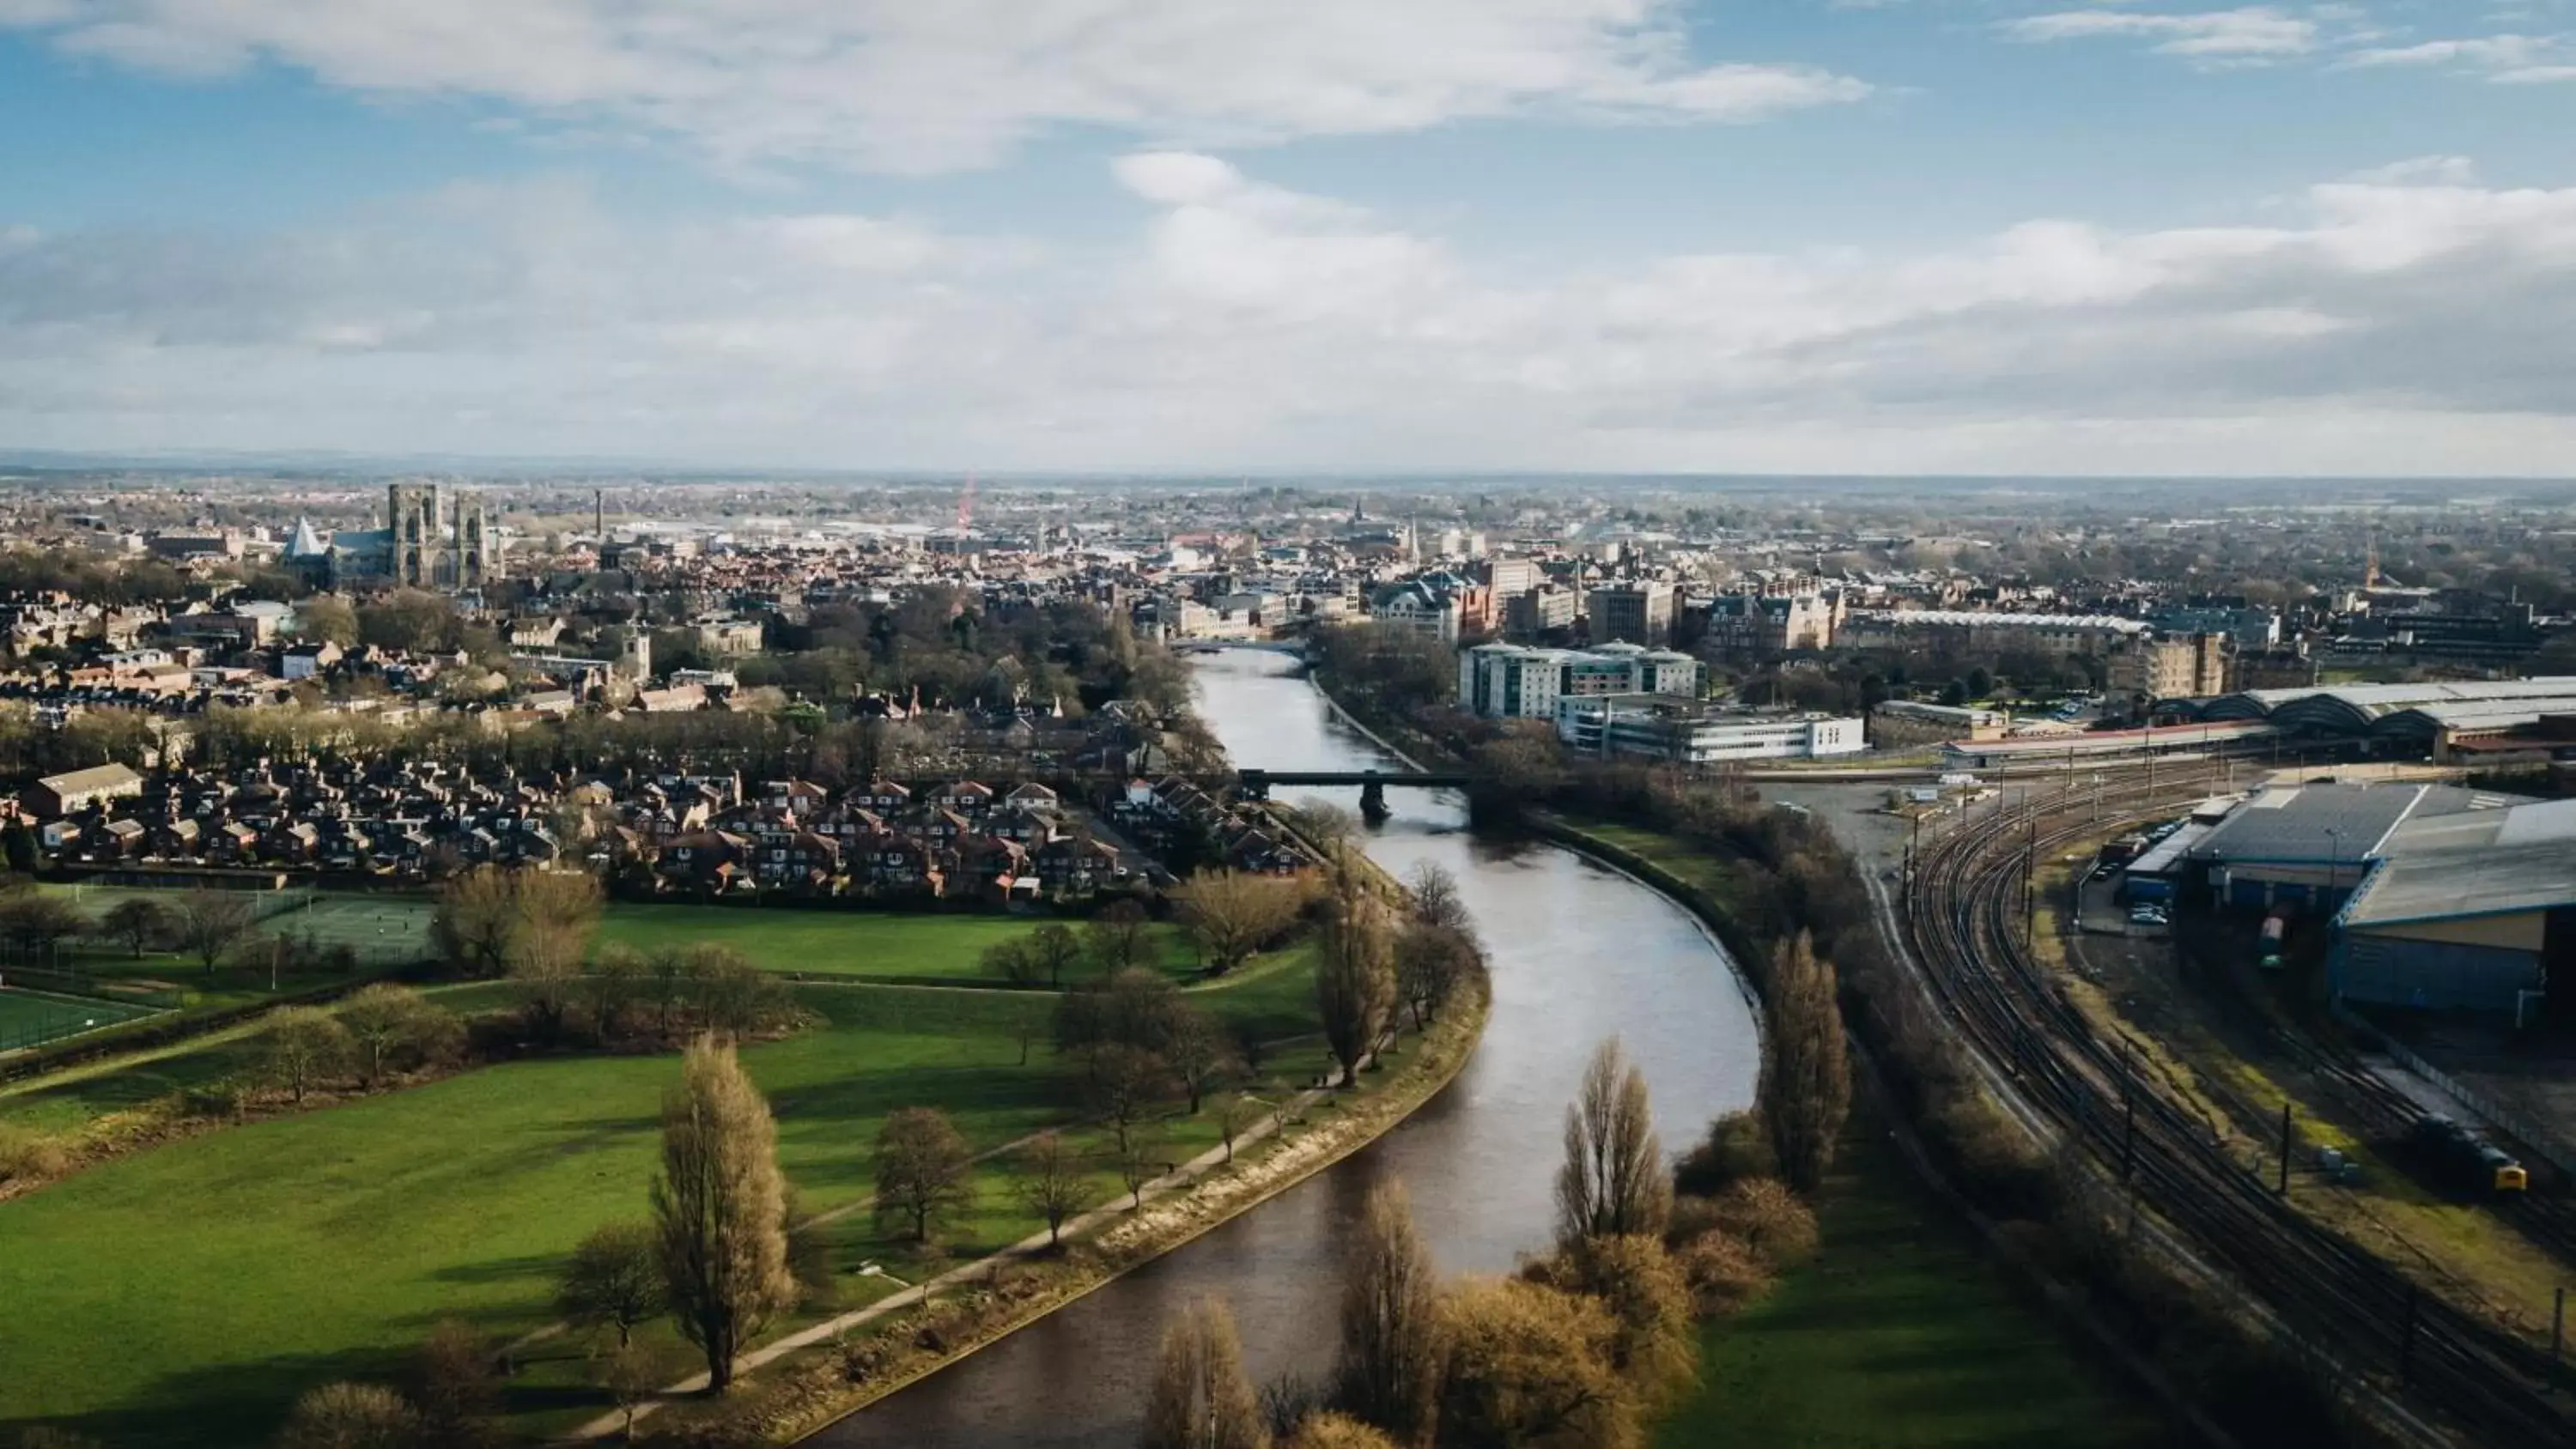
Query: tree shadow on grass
[{"x": 241, "y": 1402}]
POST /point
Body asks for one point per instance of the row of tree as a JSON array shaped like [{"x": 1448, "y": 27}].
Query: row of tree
[
  {"x": 1579, "y": 1349},
  {"x": 207, "y": 926},
  {"x": 536, "y": 929}
]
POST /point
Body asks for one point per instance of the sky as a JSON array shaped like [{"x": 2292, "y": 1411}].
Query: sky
[{"x": 2126, "y": 237}]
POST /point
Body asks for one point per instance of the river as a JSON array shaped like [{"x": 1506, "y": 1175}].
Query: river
[{"x": 1580, "y": 953}]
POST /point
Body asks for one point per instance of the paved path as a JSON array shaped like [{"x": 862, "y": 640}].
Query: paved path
[
  {"x": 829, "y": 1215},
  {"x": 1180, "y": 1177}
]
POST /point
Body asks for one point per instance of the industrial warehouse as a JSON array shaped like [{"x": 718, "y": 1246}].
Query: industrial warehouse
[{"x": 2436, "y": 897}]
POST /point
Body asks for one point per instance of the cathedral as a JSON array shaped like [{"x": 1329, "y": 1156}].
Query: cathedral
[{"x": 434, "y": 538}]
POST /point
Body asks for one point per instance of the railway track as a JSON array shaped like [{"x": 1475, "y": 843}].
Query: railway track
[{"x": 1964, "y": 917}]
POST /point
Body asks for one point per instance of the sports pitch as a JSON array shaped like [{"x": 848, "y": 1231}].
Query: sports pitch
[{"x": 32, "y": 1018}]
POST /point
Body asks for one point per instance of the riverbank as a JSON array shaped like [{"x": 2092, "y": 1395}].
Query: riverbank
[
  {"x": 944, "y": 1321},
  {"x": 1903, "y": 1330}
]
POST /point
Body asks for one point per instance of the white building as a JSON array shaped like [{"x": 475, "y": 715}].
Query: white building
[
  {"x": 1688, "y": 733},
  {"x": 1509, "y": 681}
]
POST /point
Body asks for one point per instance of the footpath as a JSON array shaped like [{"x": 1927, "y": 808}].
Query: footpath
[{"x": 1193, "y": 1200}]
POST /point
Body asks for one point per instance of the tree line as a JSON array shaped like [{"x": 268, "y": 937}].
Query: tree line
[{"x": 1579, "y": 1349}]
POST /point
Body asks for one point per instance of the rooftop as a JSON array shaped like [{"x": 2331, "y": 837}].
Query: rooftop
[
  {"x": 2443, "y": 885},
  {"x": 2323, "y": 823}
]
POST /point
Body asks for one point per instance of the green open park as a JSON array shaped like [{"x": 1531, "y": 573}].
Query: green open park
[
  {"x": 1899, "y": 1334},
  {"x": 186, "y": 1293}
]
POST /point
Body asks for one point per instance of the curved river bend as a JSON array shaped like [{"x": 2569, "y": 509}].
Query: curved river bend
[{"x": 1580, "y": 953}]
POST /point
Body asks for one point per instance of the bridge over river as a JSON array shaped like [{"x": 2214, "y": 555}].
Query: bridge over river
[{"x": 1257, "y": 784}]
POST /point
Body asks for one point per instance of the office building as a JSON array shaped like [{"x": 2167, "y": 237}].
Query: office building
[
  {"x": 1509, "y": 681},
  {"x": 1697, "y": 733},
  {"x": 1639, "y": 611}
]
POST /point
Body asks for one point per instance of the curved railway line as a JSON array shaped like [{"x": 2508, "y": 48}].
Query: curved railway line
[{"x": 1965, "y": 905}]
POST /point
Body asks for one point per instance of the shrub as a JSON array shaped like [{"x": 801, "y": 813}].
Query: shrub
[
  {"x": 1735, "y": 1148},
  {"x": 1725, "y": 1276},
  {"x": 1767, "y": 1217},
  {"x": 29, "y": 1157}
]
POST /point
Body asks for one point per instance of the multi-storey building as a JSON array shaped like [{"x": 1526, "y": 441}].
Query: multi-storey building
[
  {"x": 1508, "y": 681},
  {"x": 1971, "y": 632},
  {"x": 1639, "y": 611},
  {"x": 1692, "y": 732},
  {"x": 2193, "y": 668}
]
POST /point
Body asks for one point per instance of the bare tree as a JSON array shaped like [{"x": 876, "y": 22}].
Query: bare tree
[
  {"x": 1054, "y": 948},
  {"x": 1613, "y": 1180},
  {"x": 615, "y": 978},
  {"x": 1201, "y": 1398},
  {"x": 1430, "y": 962},
  {"x": 921, "y": 1168},
  {"x": 1432, "y": 898},
  {"x": 1116, "y": 936},
  {"x": 207, "y": 924},
  {"x": 1137, "y": 1164},
  {"x": 1014, "y": 962},
  {"x": 350, "y": 1416},
  {"x": 387, "y": 1023},
  {"x": 36, "y": 923},
  {"x": 632, "y": 1374},
  {"x": 720, "y": 1207},
  {"x": 1126, "y": 1082},
  {"x": 1236, "y": 1118},
  {"x": 1051, "y": 1183},
  {"x": 305, "y": 1047},
  {"x": 138, "y": 921},
  {"x": 1354, "y": 982},
  {"x": 614, "y": 1280},
  {"x": 485, "y": 916},
  {"x": 1805, "y": 1088},
  {"x": 1390, "y": 1318},
  {"x": 1234, "y": 913},
  {"x": 451, "y": 1384},
  {"x": 477, "y": 916},
  {"x": 1198, "y": 1052}
]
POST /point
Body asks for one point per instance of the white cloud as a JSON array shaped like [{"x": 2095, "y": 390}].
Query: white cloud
[
  {"x": 927, "y": 85},
  {"x": 2507, "y": 59},
  {"x": 2409, "y": 322},
  {"x": 2250, "y": 33},
  {"x": 2446, "y": 170}
]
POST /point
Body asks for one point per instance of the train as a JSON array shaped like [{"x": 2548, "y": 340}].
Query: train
[{"x": 2467, "y": 1161}]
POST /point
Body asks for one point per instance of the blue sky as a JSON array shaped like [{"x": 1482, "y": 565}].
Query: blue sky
[{"x": 1908, "y": 235}]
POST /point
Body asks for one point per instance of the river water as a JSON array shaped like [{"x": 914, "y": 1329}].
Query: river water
[{"x": 1579, "y": 953}]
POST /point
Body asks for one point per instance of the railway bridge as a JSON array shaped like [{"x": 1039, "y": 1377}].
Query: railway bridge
[{"x": 1257, "y": 784}]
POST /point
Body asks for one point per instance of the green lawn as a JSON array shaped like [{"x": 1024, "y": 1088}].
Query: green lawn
[
  {"x": 185, "y": 1294},
  {"x": 1696, "y": 867},
  {"x": 1899, "y": 1334},
  {"x": 870, "y": 946}
]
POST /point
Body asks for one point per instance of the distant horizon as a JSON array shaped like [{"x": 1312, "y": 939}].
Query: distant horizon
[{"x": 355, "y": 466}]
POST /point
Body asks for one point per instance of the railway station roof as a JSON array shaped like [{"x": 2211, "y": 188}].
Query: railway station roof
[{"x": 2397, "y": 709}]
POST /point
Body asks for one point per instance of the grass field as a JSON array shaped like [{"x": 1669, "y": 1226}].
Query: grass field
[
  {"x": 185, "y": 1294},
  {"x": 1898, "y": 1334},
  {"x": 859, "y": 945},
  {"x": 32, "y": 1018}
]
